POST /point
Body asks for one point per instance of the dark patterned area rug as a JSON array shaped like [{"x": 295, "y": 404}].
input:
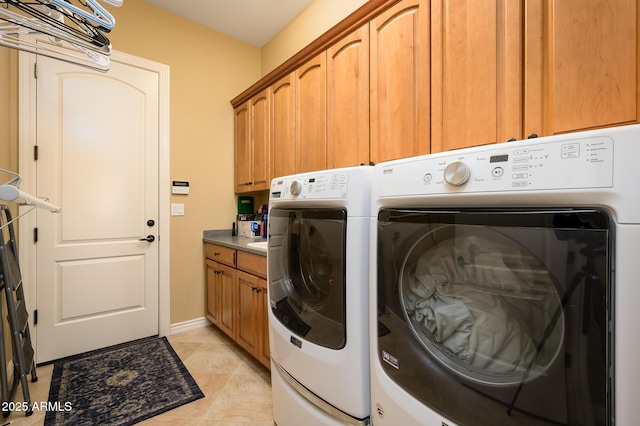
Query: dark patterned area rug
[{"x": 121, "y": 385}]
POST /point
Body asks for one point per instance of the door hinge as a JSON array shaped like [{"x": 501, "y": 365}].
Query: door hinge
[
  {"x": 35, "y": 70},
  {"x": 35, "y": 235},
  {"x": 35, "y": 153},
  {"x": 35, "y": 317}
]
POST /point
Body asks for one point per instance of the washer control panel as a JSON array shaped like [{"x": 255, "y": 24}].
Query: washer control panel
[
  {"x": 517, "y": 166},
  {"x": 325, "y": 185}
]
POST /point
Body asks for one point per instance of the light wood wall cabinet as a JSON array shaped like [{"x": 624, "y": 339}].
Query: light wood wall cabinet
[
  {"x": 310, "y": 107},
  {"x": 283, "y": 151},
  {"x": 252, "y": 139},
  {"x": 509, "y": 70},
  {"x": 476, "y": 73},
  {"x": 242, "y": 144},
  {"x": 236, "y": 297},
  {"x": 588, "y": 61},
  {"x": 348, "y": 100},
  {"x": 400, "y": 99},
  {"x": 447, "y": 74}
]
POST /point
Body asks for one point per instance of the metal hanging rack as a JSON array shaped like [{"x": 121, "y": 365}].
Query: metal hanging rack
[
  {"x": 69, "y": 30},
  {"x": 9, "y": 191}
]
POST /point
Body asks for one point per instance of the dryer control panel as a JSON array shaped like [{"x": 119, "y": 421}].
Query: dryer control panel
[
  {"x": 325, "y": 185},
  {"x": 519, "y": 166}
]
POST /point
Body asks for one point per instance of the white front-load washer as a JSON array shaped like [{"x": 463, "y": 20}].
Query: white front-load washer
[
  {"x": 504, "y": 284},
  {"x": 318, "y": 286}
]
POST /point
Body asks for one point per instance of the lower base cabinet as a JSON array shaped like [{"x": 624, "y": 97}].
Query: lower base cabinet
[
  {"x": 236, "y": 297},
  {"x": 221, "y": 296}
]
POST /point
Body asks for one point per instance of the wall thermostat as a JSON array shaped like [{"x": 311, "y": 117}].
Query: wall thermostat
[{"x": 180, "y": 187}]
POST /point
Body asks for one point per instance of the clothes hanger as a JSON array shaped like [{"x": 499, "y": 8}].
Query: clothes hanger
[
  {"x": 42, "y": 44},
  {"x": 59, "y": 30},
  {"x": 56, "y": 22},
  {"x": 99, "y": 15}
]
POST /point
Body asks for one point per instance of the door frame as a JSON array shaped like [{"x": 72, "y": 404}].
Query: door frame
[{"x": 27, "y": 168}]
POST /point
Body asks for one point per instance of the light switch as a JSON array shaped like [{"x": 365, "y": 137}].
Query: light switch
[{"x": 177, "y": 209}]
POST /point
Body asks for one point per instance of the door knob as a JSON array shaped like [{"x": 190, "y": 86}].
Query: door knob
[{"x": 149, "y": 238}]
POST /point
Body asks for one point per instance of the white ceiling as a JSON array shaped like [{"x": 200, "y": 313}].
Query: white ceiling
[{"x": 253, "y": 21}]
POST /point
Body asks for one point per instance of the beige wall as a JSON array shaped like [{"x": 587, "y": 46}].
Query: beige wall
[
  {"x": 8, "y": 112},
  {"x": 207, "y": 70},
  {"x": 310, "y": 24},
  {"x": 8, "y": 144}
]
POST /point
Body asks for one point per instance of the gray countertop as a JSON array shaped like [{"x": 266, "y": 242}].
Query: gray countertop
[{"x": 223, "y": 238}]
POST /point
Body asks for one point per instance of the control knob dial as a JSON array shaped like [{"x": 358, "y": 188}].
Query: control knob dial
[
  {"x": 457, "y": 173},
  {"x": 296, "y": 188}
]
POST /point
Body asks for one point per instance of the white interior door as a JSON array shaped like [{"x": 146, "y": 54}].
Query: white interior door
[{"x": 97, "y": 137}]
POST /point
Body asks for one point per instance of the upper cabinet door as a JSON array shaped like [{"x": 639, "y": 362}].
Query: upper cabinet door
[
  {"x": 242, "y": 148},
  {"x": 400, "y": 77},
  {"x": 583, "y": 61},
  {"x": 476, "y": 72},
  {"x": 348, "y": 100},
  {"x": 311, "y": 113},
  {"x": 252, "y": 171},
  {"x": 283, "y": 118},
  {"x": 259, "y": 107}
]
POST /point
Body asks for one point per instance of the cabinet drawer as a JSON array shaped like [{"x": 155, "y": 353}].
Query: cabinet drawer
[
  {"x": 220, "y": 254},
  {"x": 252, "y": 263}
]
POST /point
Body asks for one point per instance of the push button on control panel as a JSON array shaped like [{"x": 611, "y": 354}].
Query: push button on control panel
[{"x": 497, "y": 172}]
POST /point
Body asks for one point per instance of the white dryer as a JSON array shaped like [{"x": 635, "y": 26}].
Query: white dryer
[
  {"x": 318, "y": 256},
  {"x": 504, "y": 284}
]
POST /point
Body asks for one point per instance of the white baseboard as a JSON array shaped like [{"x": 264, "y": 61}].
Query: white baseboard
[{"x": 181, "y": 327}]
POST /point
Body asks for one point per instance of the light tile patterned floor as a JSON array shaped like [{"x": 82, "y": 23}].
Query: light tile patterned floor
[{"x": 237, "y": 388}]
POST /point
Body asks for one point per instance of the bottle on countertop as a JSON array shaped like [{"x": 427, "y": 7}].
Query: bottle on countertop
[
  {"x": 261, "y": 218},
  {"x": 264, "y": 224}
]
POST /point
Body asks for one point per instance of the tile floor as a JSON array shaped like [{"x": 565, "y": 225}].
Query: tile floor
[{"x": 237, "y": 388}]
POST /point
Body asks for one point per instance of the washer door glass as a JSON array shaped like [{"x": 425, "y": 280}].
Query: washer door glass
[
  {"x": 306, "y": 273},
  {"x": 482, "y": 304},
  {"x": 499, "y": 312}
]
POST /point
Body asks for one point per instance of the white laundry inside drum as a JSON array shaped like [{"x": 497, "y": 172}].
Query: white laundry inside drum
[{"x": 482, "y": 304}]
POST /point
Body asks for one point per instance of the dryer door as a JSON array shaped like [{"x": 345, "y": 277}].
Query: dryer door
[
  {"x": 307, "y": 273},
  {"x": 499, "y": 312}
]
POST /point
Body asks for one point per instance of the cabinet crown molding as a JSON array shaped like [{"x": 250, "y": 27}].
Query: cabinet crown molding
[{"x": 364, "y": 14}]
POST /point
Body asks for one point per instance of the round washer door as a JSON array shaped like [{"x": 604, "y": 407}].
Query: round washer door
[{"x": 482, "y": 305}]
